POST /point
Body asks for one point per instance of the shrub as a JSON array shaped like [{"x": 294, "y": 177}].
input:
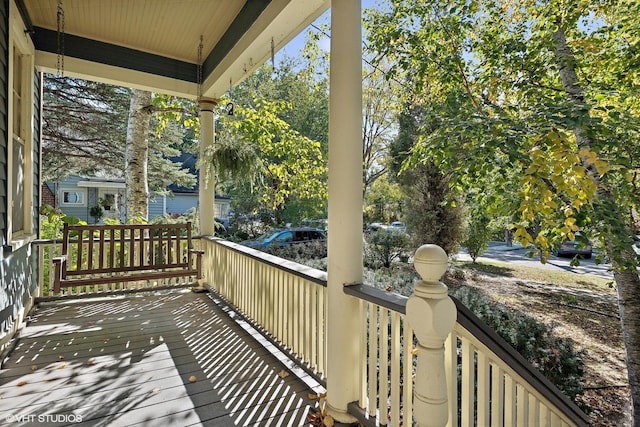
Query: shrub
[
  {"x": 52, "y": 221},
  {"x": 478, "y": 235},
  {"x": 96, "y": 213},
  {"x": 299, "y": 252},
  {"x": 399, "y": 280},
  {"x": 555, "y": 357},
  {"x": 383, "y": 246}
]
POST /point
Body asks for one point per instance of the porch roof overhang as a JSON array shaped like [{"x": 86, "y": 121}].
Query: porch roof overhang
[
  {"x": 154, "y": 45},
  {"x": 101, "y": 184}
]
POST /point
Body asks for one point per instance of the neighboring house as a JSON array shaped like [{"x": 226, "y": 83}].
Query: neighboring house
[
  {"x": 76, "y": 196},
  {"x": 183, "y": 199}
]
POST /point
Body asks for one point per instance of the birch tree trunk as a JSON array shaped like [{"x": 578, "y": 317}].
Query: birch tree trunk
[
  {"x": 625, "y": 273},
  {"x": 137, "y": 154}
]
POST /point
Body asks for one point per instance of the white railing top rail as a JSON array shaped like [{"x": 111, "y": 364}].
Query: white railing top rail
[{"x": 311, "y": 274}]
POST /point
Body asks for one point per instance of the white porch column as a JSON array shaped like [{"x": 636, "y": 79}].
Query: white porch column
[
  {"x": 206, "y": 185},
  {"x": 345, "y": 206}
]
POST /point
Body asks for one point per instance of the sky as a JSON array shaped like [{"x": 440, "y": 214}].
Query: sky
[{"x": 294, "y": 47}]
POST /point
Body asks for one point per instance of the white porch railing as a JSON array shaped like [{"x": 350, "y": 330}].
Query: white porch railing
[
  {"x": 488, "y": 383},
  {"x": 283, "y": 299}
]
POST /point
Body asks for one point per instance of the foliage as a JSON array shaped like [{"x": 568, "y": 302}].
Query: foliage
[
  {"x": 383, "y": 201},
  {"x": 248, "y": 226},
  {"x": 275, "y": 110},
  {"x": 286, "y": 165},
  {"x": 384, "y": 246},
  {"x": 301, "y": 253},
  {"x": 433, "y": 208},
  {"x": 398, "y": 279},
  {"x": 498, "y": 112},
  {"x": 190, "y": 216},
  {"x": 381, "y": 106},
  {"x": 541, "y": 99},
  {"x": 85, "y": 125},
  {"x": 52, "y": 221},
  {"x": 96, "y": 213},
  {"x": 555, "y": 357},
  {"x": 478, "y": 233}
]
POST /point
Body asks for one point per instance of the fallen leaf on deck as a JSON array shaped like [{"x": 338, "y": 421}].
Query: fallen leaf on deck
[
  {"x": 313, "y": 396},
  {"x": 21, "y": 383},
  {"x": 61, "y": 357},
  {"x": 64, "y": 365},
  {"x": 90, "y": 363},
  {"x": 192, "y": 379},
  {"x": 34, "y": 367},
  {"x": 283, "y": 374},
  {"x": 328, "y": 421}
]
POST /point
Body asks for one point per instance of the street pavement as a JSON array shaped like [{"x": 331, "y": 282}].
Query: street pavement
[{"x": 515, "y": 253}]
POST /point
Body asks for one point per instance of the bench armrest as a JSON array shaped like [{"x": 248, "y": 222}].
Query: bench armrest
[
  {"x": 62, "y": 259},
  {"x": 60, "y": 271},
  {"x": 198, "y": 253}
]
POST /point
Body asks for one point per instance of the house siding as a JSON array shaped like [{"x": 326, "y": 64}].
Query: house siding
[
  {"x": 4, "y": 119},
  {"x": 181, "y": 203},
  {"x": 18, "y": 267}
]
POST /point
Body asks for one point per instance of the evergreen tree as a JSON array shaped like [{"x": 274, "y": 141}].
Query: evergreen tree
[{"x": 433, "y": 212}]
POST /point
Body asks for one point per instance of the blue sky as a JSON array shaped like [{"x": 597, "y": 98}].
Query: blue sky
[{"x": 295, "y": 46}]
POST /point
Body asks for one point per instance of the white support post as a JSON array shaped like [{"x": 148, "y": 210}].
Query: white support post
[
  {"x": 345, "y": 208},
  {"x": 206, "y": 186},
  {"x": 432, "y": 314}
]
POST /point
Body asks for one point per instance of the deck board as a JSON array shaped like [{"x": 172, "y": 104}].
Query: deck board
[{"x": 127, "y": 361}]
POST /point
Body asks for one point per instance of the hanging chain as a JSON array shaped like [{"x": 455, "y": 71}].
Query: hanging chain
[
  {"x": 273, "y": 54},
  {"x": 60, "y": 57},
  {"x": 199, "y": 76}
]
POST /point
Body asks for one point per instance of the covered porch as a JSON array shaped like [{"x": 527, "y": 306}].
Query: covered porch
[
  {"x": 383, "y": 359},
  {"x": 257, "y": 337}
]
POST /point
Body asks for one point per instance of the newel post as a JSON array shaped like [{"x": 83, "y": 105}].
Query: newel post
[{"x": 432, "y": 315}]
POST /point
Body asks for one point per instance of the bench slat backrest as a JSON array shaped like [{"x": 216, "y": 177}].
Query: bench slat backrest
[{"x": 123, "y": 248}]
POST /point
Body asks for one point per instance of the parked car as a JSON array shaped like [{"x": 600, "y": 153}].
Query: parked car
[
  {"x": 287, "y": 236},
  {"x": 581, "y": 246},
  {"x": 399, "y": 225}
]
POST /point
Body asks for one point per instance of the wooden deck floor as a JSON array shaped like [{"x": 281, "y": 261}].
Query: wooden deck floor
[{"x": 168, "y": 359}]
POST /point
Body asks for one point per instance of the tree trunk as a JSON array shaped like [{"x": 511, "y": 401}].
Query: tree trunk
[
  {"x": 622, "y": 257},
  {"x": 628, "y": 287},
  {"x": 136, "y": 155}
]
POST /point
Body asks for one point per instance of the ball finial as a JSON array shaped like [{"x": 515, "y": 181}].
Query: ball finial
[{"x": 430, "y": 261}]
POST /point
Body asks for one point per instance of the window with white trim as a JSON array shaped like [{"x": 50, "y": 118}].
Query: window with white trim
[
  {"x": 73, "y": 197},
  {"x": 18, "y": 165},
  {"x": 20, "y": 150}
]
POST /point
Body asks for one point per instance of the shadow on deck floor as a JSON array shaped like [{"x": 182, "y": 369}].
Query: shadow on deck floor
[{"x": 166, "y": 358}]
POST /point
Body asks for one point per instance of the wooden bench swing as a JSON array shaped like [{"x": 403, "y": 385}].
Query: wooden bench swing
[{"x": 114, "y": 254}]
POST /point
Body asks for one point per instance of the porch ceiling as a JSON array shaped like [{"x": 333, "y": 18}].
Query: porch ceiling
[{"x": 153, "y": 44}]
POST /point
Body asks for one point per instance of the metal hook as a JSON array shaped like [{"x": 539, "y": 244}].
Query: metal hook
[{"x": 230, "y": 109}]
